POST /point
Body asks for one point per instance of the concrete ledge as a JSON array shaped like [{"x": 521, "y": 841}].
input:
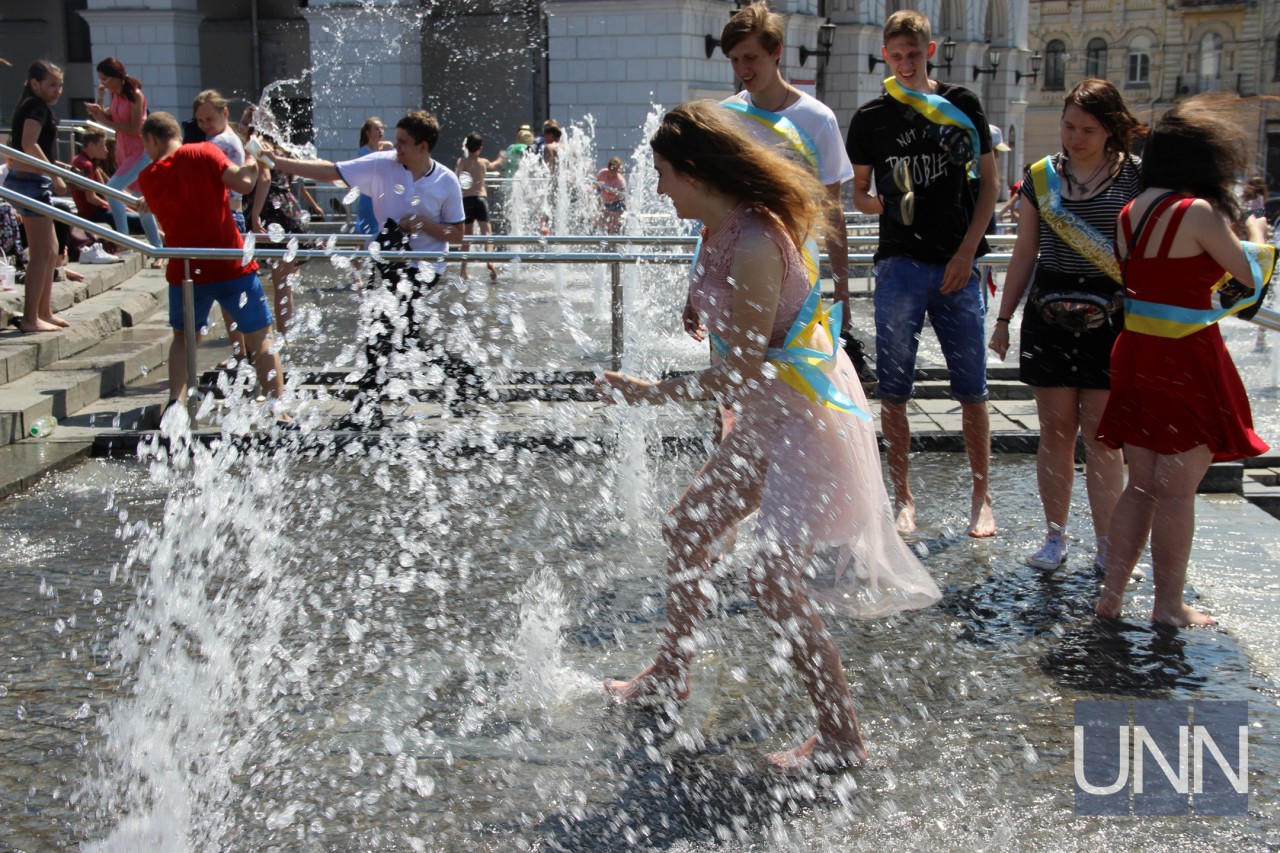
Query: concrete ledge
[{"x": 24, "y": 464}]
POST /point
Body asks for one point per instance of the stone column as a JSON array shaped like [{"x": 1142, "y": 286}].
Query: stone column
[
  {"x": 366, "y": 60},
  {"x": 160, "y": 45}
]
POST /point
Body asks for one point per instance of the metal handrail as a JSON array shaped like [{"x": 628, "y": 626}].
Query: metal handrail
[{"x": 67, "y": 175}]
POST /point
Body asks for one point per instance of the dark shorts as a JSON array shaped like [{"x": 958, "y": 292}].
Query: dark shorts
[
  {"x": 242, "y": 298},
  {"x": 615, "y": 207},
  {"x": 1053, "y": 357},
  {"x": 475, "y": 208},
  {"x": 38, "y": 187}
]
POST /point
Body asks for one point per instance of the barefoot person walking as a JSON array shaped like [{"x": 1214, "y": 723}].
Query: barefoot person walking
[
  {"x": 800, "y": 449},
  {"x": 1177, "y": 403}
]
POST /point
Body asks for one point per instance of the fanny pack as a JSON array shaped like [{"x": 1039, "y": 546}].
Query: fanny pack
[{"x": 1078, "y": 304}]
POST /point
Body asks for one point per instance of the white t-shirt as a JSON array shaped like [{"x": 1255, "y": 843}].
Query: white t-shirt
[
  {"x": 437, "y": 195},
  {"x": 816, "y": 120},
  {"x": 230, "y": 145}
]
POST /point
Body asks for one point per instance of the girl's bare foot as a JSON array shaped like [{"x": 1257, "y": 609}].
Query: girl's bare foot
[
  {"x": 72, "y": 275},
  {"x": 1183, "y": 616},
  {"x": 817, "y": 754},
  {"x": 493, "y": 271},
  {"x": 906, "y": 521},
  {"x": 32, "y": 326},
  {"x": 649, "y": 684},
  {"x": 982, "y": 521},
  {"x": 56, "y": 320}
]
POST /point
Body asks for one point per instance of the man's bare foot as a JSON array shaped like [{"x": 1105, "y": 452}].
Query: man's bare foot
[
  {"x": 33, "y": 326},
  {"x": 982, "y": 521},
  {"x": 57, "y": 321},
  {"x": 493, "y": 271},
  {"x": 816, "y": 754},
  {"x": 906, "y": 520},
  {"x": 1183, "y": 617},
  {"x": 649, "y": 684}
]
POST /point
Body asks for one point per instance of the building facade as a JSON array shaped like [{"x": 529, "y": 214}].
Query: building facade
[{"x": 489, "y": 66}]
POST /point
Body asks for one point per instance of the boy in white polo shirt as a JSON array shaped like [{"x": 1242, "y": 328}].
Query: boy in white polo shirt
[{"x": 413, "y": 196}]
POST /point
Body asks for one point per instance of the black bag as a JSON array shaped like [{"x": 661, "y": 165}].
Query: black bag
[{"x": 1078, "y": 304}]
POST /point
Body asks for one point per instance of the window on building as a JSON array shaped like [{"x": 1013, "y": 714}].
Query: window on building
[
  {"x": 1210, "y": 59},
  {"x": 79, "y": 41},
  {"x": 1055, "y": 65},
  {"x": 951, "y": 19},
  {"x": 1138, "y": 71},
  {"x": 1095, "y": 59}
]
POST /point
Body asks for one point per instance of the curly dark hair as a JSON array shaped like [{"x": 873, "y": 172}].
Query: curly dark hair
[{"x": 1104, "y": 102}]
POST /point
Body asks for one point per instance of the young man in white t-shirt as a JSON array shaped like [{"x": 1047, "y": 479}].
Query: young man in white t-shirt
[
  {"x": 412, "y": 195},
  {"x": 752, "y": 40}
]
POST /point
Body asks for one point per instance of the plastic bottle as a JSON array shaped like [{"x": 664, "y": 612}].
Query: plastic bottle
[{"x": 42, "y": 427}]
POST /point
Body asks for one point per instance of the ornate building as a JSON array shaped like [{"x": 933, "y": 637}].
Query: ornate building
[{"x": 1158, "y": 52}]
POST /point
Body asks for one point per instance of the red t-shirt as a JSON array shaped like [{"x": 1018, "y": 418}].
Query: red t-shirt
[
  {"x": 186, "y": 194},
  {"x": 84, "y": 164}
]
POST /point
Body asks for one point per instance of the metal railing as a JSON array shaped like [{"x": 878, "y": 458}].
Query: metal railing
[{"x": 1265, "y": 317}]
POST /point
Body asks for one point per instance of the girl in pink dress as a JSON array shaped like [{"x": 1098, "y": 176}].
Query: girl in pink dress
[
  {"x": 125, "y": 116},
  {"x": 1177, "y": 403},
  {"x": 800, "y": 449}
]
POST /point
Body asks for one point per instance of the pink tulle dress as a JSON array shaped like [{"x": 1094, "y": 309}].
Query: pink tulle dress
[{"x": 823, "y": 485}]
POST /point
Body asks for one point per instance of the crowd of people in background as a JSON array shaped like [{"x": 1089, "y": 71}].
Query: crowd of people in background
[{"x": 1117, "y": 259}]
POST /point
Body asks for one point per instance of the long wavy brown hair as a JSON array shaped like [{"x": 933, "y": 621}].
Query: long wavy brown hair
[
  {"x": 1104, "y": 102},
  {"x": 705, "y": 141}
]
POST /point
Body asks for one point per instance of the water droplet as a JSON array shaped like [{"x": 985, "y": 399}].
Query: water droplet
[
  {"x": 144, "y": 370},
  {"x": 97, "y": 597},
  {"x": 291, "y": 251},
  {"x": 305, "y": 217},
  {"x": 415, "y": 201},
  {"x": 352, "y": 196},
  {"x": 83, "y": 712},
  {"x": 59, "y": 626},
  {"x": 250, "y": 243},
  {"x": 465, "y": 180},
  {"x": 244, "y": 299},
  {"x": 276, "y": 232},
  {"x": 398, "y": 189}
]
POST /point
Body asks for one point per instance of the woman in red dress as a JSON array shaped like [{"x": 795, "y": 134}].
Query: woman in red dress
[{"x": 1177, "y": 403}]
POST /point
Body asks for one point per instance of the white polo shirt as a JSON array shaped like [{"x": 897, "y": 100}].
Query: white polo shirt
[{"x": 436, "y": 196}]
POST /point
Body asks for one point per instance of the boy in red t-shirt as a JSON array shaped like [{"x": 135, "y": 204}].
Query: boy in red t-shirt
[
  {"x": 185, "y": 187},
  {"x": 89, "y": 204}
]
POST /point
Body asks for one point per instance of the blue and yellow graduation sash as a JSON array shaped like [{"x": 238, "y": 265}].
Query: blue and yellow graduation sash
[
  {"x": 938, "y": 110},
  {"x": 1172, "y": 321},
  {"x": 798, "y": 141},
  {"x": 1083, "y": 238},
  {"x": 800, "y": 363}
]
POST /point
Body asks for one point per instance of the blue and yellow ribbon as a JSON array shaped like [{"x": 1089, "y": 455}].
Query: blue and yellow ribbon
[
  {"x": 1083, "y": 238},
  {"x": 938, "y": 110},
  {"x": 1172, "y": 321},
  {"x": 803, "y": 361}
]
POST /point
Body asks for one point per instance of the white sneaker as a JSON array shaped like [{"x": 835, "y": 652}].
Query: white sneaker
[
  {"x": 95, "y": 254},
  {"x": 1052, "y": 554}
]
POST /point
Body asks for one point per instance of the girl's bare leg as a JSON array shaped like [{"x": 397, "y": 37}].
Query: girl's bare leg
[
  {"x": 725, "y": 491},
  {"x": 1104, "y": 470},
  {"x": 1176, "y": 480},
  {"x": 778, "y": 586},
  {"x": 42, "y": 254},
  {"x": 1130, "y": 527}
]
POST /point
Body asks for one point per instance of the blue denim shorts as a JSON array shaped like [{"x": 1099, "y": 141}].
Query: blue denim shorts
[
  {"x": 38, "y": 187},
  {"x": 906, "y": 291},
  {"x": 243, "y": 298}
]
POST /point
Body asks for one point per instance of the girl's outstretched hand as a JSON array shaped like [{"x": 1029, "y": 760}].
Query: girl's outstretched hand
[{"x": 613, "y": 387}]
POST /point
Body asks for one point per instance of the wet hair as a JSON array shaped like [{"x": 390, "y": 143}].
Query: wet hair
[
  {"x": 554, "y": 133},
  {"x": 162, "y": 126},
  {"x": 209, "y": 96},
  {"x": 422, "y": 126},
  {"x": 112, "y": 67},
  {"x": 474, "y": 142},
  {"x": 524, "y": 136},
  {"x": 1104, "y": 102},
  {"x": 705, "y": 141},
  {"x": 1199, "y": 147},
  {"x": 909, "y": 23},
  {"x": 548, "y": 124},
  {"x": 615, "y": 160},
  {"x": 757, "y": 20},
  {"x": 38, "y": 71},
  {"x": 367, "y": 128}
]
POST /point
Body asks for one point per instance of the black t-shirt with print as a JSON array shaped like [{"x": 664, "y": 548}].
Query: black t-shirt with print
[
  {"x": 36, "y": 110},
  {"x": 882, "y": 133}
]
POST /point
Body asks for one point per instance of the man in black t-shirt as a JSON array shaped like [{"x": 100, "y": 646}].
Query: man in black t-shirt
[{"x": 931, "y": 233}]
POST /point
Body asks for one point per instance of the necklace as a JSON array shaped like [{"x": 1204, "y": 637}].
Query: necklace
[
  {"x": 1083, "y": 186},
  {"x": 786, "y": 96}
]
